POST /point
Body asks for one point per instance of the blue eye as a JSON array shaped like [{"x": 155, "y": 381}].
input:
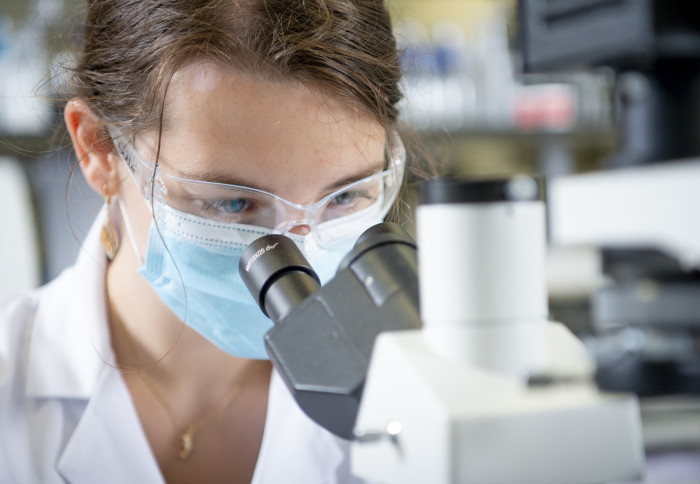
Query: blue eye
[
  {"x": 345, "y": 198},
  {"x": 233, "y": 205}
]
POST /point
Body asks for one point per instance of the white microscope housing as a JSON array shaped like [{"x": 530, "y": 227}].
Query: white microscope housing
[{"x": 489, "y": 390}]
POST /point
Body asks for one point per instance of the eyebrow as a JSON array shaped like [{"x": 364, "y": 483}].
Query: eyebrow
[
  {"x": 213, "y": 176},
  {"x": 369, "y": 171},
  {"x": 217, "y": 177}
]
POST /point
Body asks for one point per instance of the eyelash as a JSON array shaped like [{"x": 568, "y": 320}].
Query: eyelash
[{"x": 355, "y": 194}]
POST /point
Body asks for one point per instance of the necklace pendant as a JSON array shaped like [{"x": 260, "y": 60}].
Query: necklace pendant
[{"x": 187, "y": 444}]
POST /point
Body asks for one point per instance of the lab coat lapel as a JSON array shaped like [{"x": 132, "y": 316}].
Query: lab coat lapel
[
  {"x": 294, "y": 448},
  {"x": 109, "y": 445},
  {"x": 71, "y": 357},
  {"x": 70, "y": 343}
]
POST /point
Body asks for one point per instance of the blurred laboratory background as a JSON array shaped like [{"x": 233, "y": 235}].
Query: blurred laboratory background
[
  {"x": 468, "y": 106},
  {"x": 48, "y": 206}
]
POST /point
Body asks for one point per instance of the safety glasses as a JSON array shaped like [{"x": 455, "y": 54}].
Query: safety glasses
[{"x": 232, "y": 204}]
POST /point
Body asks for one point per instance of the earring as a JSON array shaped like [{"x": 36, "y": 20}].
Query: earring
[{"x": 108, "y": 236}]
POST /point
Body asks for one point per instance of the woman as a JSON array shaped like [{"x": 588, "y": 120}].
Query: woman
[{"x": 204, "y": 124}]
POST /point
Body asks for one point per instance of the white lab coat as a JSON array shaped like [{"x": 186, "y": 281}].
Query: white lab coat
[{"x": 66, "y": 414}]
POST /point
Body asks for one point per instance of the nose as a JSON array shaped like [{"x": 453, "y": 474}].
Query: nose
[
  {"x": 294, "y": 221},
  {"x": 301, "y": 228}
]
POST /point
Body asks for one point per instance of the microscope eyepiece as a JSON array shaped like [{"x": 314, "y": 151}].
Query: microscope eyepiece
[
  {"x": 277, "y": 275},
  {"x": 386, "y": 233}
]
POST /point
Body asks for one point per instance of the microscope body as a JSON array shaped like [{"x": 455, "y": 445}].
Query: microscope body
[
  {"x": 322, "y": 340},
  {"x": 489, "y": 390},
  {"x": 462, "y": 424},
  {"x": 322, "y": 349}
]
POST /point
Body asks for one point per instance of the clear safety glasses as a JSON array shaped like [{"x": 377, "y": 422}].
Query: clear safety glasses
[{"x": 233, "y": 204}]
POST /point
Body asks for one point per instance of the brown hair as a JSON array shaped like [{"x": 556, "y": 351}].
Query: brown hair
[{"x": 132, "y": 48}]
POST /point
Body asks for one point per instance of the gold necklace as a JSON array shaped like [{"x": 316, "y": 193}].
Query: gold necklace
[{"x": 186, "y": 437}]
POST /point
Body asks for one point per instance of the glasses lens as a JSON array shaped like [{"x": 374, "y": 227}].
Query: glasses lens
[
  {"x": 240, "y": 205},
  {"x": 352, "y": 199},
  {"x": 222, "y": 203}
]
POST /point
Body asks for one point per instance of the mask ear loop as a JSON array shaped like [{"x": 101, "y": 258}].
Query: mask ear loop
[
  {"x": 130, "y": 234},
  {"x": 117, "y": 139},
  {"x": 141, "y": 262}
]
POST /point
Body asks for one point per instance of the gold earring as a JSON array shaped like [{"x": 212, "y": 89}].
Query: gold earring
[{"x": 108, "y": 236}]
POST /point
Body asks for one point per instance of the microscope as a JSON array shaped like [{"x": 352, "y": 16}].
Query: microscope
[
  {"x": 489, "y": 390},
  {"x": 473, "y": 384},
  {"x": 322, "y": 339}
]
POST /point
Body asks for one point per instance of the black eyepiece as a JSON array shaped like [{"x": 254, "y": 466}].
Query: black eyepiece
[{"x": 277, "y": 275}]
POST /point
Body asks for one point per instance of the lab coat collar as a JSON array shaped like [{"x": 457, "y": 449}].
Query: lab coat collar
[
  {"x": 70, "y": 344},
  {"x": 109, "y": 445},
  {"x": 294, "y": 446}
]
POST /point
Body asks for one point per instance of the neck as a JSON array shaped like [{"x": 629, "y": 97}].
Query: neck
[{"x": 146, "y": 334}]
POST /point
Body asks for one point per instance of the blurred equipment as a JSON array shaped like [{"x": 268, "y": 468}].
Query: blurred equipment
[
  {"x": 322, "y": 339},
  {"x": 19, "y": 244},
  {"x": 488, "y": 390},
  {"x": 641, "y": 212}
]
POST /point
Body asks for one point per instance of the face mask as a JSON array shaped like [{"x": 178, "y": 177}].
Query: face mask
[{"x": 192, "y": 263}]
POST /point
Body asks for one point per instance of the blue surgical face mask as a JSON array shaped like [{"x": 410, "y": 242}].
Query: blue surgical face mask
[{"x": 192, "y": 263}]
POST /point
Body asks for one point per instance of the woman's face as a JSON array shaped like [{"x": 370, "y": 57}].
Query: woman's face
[{"x": 289, "y": 140}]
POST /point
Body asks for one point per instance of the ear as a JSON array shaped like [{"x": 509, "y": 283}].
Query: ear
[{"x": 93, "y": 147}]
